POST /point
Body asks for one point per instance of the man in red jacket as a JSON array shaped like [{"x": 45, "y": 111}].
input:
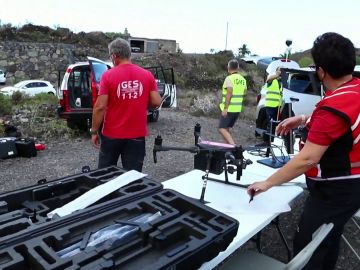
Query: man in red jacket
[
  {"x": 330, "y": 157},
  {"x": 126, "y": 92}
]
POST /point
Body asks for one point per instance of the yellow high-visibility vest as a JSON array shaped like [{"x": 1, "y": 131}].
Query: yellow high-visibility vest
[
  {"x": 273, "y": 94},
  {"x": 238, "y": 93}
]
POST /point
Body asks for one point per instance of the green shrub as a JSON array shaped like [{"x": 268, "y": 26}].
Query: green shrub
[
  {"x": 43, "y": 98},
  {"x": 46, "y": 128},
  {"x": 358, "y": 60},
  {"x": 250, "y": 83},
  {"x": 18, "y": 98},
  {"x": 5, "y": 105},
  {"x": 305, "y": 61},
  {"x": 206, "y": 105},
  {"x": 2, "y": 130}
]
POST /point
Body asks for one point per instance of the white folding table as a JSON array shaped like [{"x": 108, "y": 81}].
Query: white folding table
[{"x": 234, "y": 201}]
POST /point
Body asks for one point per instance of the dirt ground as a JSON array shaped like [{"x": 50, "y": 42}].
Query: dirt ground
[{"x": 67, "y": 156}]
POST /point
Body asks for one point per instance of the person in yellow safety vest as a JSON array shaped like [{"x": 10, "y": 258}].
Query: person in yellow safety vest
[
  {"x": 273, "y": 95},
  {"x": 233, "y": 93}
]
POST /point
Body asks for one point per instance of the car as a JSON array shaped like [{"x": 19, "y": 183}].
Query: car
[
  {"x": 301, "y": 88},
  {"x": 80, "y": 85},
  {"x": 135, "y": 49},
  {"x": 30, "y": 87},
  {"x": 2, "y": 77}
]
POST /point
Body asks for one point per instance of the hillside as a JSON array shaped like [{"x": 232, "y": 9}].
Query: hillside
[
  {"x": 45, "y": 34},
  {"x": 193, "y": 71}
]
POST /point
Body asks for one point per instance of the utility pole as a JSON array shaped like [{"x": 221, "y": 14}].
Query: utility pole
[{"x": 227, "y": 29}]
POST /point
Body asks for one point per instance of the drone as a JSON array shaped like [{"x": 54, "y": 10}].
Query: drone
[{"x": 211, "y": 157}]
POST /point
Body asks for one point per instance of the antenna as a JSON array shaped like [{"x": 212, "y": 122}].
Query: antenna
[
  {"x": 288, "y": 43},
  {"x": 226, "y": 38}
]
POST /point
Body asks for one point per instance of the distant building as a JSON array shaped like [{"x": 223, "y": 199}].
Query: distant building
[{"x": 148, "y": 45}]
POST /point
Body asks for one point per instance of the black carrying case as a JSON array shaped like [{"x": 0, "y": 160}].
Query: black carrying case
[
  {"x": 26, "y": 147},
  {"x": 187, "y": 234},
  {"x": 24, "y": 209},
  {"x": 7, "y": 148}
]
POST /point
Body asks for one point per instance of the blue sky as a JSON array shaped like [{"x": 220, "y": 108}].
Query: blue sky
[{"x": 198, "y": 25}]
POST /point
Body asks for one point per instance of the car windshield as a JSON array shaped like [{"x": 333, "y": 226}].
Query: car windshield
[{"x": 19, "y": 84}]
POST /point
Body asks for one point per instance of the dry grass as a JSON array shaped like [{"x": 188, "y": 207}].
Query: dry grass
[{"x": 206, "y": 103}]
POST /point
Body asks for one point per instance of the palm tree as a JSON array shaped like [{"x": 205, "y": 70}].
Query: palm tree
[{"x": 244, "y": 50}]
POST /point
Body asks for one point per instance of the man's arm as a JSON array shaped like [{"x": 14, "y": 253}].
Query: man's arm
[
  {"x": 307, "y": 158},
  {"x": 155, "y": 99},
  {"x": 99, "y": 111},
  {"x": 229, "y": 93},
  {"x": 97, "y": 118},
  {"x": 272, "y": 77}
]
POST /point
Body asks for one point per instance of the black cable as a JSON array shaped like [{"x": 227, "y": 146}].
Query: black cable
[
  {"x": 257, "y": 152},
  {"x": 283, "y": 158},
  {"x": 262, "y": 153}
]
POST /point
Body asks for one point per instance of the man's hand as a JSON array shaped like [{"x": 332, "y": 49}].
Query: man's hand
[
  {"x": 224, "y": 112},
  {"x": 95, "y": 140},
  {"x": 278, "y": 72},
  {"x": 288, "y": 124},
  {"x": 258, "y": 187}
]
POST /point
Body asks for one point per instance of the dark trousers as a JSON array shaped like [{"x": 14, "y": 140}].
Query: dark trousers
[
  {"x": 132, "y": 152},
  {"x": 328, "y": 201},
  {"x": 271, "y": 113}
]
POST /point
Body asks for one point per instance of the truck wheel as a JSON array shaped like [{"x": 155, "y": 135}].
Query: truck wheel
[
  {"x": 154, "y": 116},
  {"x": 77, "y": 125},
  {"x": 71, "y": 124}
]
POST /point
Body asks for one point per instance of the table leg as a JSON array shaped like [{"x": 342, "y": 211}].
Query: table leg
[{"x": 276, "y": 221}]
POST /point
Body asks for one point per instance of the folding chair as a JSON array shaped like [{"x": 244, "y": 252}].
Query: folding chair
[{"x": 251, "y": 260}]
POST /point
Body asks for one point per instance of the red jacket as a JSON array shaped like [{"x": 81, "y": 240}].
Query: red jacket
[{"x": 342, "y": 159}]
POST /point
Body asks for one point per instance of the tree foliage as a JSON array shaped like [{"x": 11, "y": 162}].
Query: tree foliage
[
  {"x": 114, "y": 35},
  {"x": 244, "y": 50}
]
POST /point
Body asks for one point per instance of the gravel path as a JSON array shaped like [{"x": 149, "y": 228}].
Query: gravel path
[{"x": 66, "y": 157}]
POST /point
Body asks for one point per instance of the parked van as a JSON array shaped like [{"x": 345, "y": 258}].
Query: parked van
[{"x": 80, "y": 85}]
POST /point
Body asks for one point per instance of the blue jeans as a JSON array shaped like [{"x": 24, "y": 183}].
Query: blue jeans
[{"x": 131, "y": 151}]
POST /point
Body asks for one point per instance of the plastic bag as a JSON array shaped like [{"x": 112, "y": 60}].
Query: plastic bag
[{"x": 110, "y": 236}]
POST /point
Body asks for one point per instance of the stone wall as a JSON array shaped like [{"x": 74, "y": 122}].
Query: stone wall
[{"x": 24, "y": 60}]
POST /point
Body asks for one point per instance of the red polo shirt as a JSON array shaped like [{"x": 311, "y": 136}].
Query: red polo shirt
[{"x": 128, "y": 87}]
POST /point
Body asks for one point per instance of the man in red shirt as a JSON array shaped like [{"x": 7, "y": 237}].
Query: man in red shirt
[
  {"x": 126, "y": 92},
  {"x": 330, "y": 157}
]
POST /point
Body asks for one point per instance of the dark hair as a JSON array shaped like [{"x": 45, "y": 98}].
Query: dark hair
[
  {"x": 335, "y": 54},
  {"x": 233, "y": 64},
  {"x": 120, "y": 47}
]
